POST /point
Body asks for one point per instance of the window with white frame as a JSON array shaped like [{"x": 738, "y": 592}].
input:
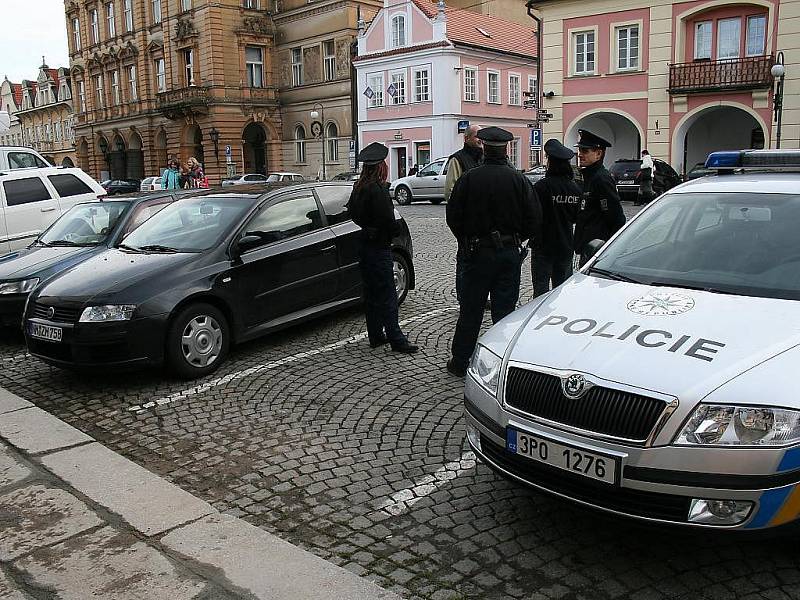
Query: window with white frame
[
  {"x": 399, "y": 83},
  {"x": 398, "y": 31},
  {"x": 161, "y": 75},
  {"x": 48, "y": 136},
  {"x": 514, "y": 90},
  {"x": 95, "y": 26},
  {"x": 329, "y": 58},
  {"x": 156, "y": 4},
  {"x": 57, "y": 131},
  {"x": 533, "y": 88},
  {"x": 188, "y": 67},
  {"x": 375, "y": 83},
  {"x": 299, "y": 144},
  {"x": 493, "y": 87},
  {"x": 128, "y": 12},
  {"x": 254, "y": 61},
  {"x": 702, "y": 40},
  {"x": 470, "y": 84},
  {"x": 513, "y": 153},
  {"x": 115, "y": 87},
  {"x": 584, "y": 58},
  {"x": 254, "y": 4},
  {"x": 422, "y": 85},
  {"x": 297, "y": 66},
  {"x": 82, "y": 96},
  {"x": 729, "y": 33},
  {"x": 186, "y": 5},
  {"x": 76, "y": 34},
  {"x": 627, "y": 47},
  {"x": 133, "y": 87},
  {"x": 98, "y": 86},
  {"x": 111, "y": 26},
  {"x": 332, "y": 140},
  {"x": 756, "y": 35}
]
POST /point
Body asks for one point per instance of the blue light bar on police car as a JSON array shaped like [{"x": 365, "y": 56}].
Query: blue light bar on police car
[{"x": 754, "y": 159}]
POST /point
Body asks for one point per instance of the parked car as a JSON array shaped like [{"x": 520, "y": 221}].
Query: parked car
[
  {"x": 347, "y": 176},
  {"x": 427, "y": 184},
  {"x": 121, "y": 186},
  {"x": 206, "y": 272},
  {"x": 244, "y": 179},
  {"x": 626, "y": 173},
  {"x": 20, "y": 157},
  {"x": 83, "y": 231},
  {"x": 32, "y": 199},
  {"x": 699, "y": 170},
  {"x": 275, "y": 177},
  {"x": 151, "y": 184}
]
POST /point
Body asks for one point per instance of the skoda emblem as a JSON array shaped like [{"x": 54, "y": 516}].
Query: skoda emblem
[
  {"x": 574, "y": 386},
  {"x": 661, "y": 304},
  {"x": 51, "y": 312}
]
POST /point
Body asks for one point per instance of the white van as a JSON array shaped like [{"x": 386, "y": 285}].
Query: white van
[
  {"x": 31, "y": 199},
  {"x": 19, "y": 157}
]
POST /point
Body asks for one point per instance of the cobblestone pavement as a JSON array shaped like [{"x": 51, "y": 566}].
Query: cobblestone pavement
[{"x": 359, "y": 456}]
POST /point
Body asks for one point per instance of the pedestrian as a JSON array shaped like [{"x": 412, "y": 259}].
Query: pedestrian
[
  {"x": 414, "y": 170},
  {"x": 600, "y": 214},
  {"x": 560, "y": 198},
  {"x": 371, "y": 208},
  {"x": 171, "y": 177},
  {"x": 492, "y": 211},
  {"x": 186, "y": 176},
  {"x": 196, "y": 174},
  {"x": 645, "y": 180},
  {"x": 469, "y": 157}
]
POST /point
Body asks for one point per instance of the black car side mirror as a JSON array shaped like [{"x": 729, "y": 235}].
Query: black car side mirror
[
  {"x": 593, "y": 247},
  {"x": 249, "y": 242}
]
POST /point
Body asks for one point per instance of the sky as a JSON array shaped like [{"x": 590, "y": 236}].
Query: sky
[{"x": 30, "y": 29}]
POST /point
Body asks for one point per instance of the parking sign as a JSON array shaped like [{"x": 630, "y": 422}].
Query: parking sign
[{"x": 536, "y": 139}]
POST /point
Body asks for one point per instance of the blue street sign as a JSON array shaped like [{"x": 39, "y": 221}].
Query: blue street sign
[
  {"x": 462, "y": 126},
  {"x": 536, "y": 139},
  {"x": 228, "y": 151}
]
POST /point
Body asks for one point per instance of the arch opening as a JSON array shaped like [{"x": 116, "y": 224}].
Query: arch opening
[
  {"x": 619, "y": 130},
  {"x": 254, "y": 147}
]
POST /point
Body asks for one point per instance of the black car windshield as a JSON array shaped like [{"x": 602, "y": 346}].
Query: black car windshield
[
  {"x": 85, "y": 224},
  {"x": 190, "y": 225},
  {"x": 735, "y": 243}
]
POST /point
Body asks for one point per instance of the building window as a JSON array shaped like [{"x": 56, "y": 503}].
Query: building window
[
  {"x": 76, "y": 34},
  {"x": 128, "y": 15},
  {"x": 156, "y": 11},
  {"x": 115, "y": 87},
  {"x": 133, "y": 88},
  {"x": 513, "y": 153},
  {"x": 161, "y": 75},
  {"x": 48, "y": 136},
  {"x": 299, "y": 144},
  {"x": 188, "y": 67},
  {"x": 628, "y": 47},
  {"x": 756, "y": 35},
  {"x": 533, "y": 88},
  {"x": 82, "y": 96},
  {"x": 186, "y": 5},
  {"x": 329, "y": 55},
  {"x": 332, "y": 140},
  {"x": 297, "y": 66},
  {"x": 493, "y": 87},
  {"x": 702, "y": 40},
  {"x": 514, "y": 90},
  {"x": 398, "y": 31},
  {"x": 584, "y": 52},
  {"x": 422, "y": 88},
  {"x": 728, "y": 36},
  {"x": 375, "y": 83},
  {"x": 399, "y": 84},
  {"x": 250, "y": 4},
  {"x": 254, "y": 60},
  {"x": 95, "y": 27},
  {"x": 470, "y": 84},
  {"x": 111, "y": 27},
  {"x": 98, "y": 86}
]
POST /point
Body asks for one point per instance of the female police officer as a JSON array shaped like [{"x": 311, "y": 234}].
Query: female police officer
[{"x": 371, "y": 209}]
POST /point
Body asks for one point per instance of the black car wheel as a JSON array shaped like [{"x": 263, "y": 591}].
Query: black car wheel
[
  {"x": 198, "y": 341},
  {"x": 437, "y": 200},
  {"x": 403, "y": 195},
  {"x": 401, "y": 275}
]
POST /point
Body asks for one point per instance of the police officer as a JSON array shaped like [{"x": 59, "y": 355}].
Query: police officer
[
  {"x": 600, "y": 215},
  {"x": 560, "y": 198},
  {"x": 491, "y": 211},
  {"x": 371, "y": 209}
]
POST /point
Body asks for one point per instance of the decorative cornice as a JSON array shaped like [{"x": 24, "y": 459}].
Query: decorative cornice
[{"x": 304, "y": 12}]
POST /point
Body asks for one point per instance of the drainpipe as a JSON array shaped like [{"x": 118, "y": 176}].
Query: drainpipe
[
  {"x": 539, "y": 82},
  {"x": 354, "y": 83}
]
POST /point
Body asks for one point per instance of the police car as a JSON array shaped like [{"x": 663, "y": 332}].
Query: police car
[{"x": 658, "y": 382}]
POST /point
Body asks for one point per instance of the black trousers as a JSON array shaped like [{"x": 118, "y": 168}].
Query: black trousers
[
  {"x": 485, "y": 271},
  {"x": 546, "y": 268},
  {"x": 380, "y": 295},
  {"x": 459, "y": 273}
]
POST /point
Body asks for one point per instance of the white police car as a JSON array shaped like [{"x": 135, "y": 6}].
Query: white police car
[{"x": 659, "y": 381}]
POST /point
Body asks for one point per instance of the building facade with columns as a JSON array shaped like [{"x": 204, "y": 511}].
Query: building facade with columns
[{"x": 678, "y": 78}]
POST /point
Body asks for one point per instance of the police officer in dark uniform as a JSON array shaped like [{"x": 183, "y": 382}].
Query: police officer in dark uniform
[
  {"x": 600, "y": 215},
  {"x": 560, "y": 198},
  {"x": 491, "y": 211},
  {"x": 371, "y": 209}
]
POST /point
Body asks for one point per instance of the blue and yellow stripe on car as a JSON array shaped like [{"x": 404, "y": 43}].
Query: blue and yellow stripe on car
[{"x": 781, "y": 505}]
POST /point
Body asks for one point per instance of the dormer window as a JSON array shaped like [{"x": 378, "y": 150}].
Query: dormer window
[{"x": 398, "y": 31}]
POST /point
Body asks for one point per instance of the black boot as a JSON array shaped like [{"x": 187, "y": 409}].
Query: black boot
[
  {"x": 405, "y": 347},
  {"x": 378, "y": 342},
  {"x": 454, "y": 369}
]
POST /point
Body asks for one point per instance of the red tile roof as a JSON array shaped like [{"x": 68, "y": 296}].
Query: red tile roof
[
  {"x": 17, "y": 89},
  {"x": 54, "y": 75},
  {"x": 403, "y": 50}
]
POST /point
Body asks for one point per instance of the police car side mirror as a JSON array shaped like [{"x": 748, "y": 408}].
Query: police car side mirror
[{"x": 593, "y": 247}]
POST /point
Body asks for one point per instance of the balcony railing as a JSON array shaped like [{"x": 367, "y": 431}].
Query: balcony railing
[
  {"x": 721, "y": 75},
  {"x": 188, "y": 96}
]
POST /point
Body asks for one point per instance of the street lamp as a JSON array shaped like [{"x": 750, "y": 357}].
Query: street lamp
[
  {"x": 315, "y": 114},
  {"x": 778, "y": 72},
  {"x": 214, "y": 135}
]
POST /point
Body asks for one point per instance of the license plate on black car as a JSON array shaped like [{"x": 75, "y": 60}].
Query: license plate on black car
[
  {"x": 627, "y": 182},
  {"x": 46, "y": 332}
]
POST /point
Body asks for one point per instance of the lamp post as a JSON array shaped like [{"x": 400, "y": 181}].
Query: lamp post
[
  {"x": 778, "y": 72},
  {"x": 315, "y": 114},
  {"x": 214, "y": 135},
  {"x": 103, "y": 146}
]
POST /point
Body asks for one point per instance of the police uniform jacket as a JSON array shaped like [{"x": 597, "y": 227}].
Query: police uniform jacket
[
  {"x": 560, "y": 198},
  {"x": 600, "y": 214},
  {"x": 493, "y": 197},
  {"x": 371, "y": 209}
]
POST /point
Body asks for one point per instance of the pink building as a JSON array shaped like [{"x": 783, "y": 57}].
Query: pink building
[{"x": 423, "y": 69}]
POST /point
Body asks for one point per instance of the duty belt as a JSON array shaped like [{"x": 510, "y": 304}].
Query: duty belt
[{"x": 504, "y": 240}]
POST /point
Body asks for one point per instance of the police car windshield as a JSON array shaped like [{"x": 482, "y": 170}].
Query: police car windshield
[{"x": 735, "y": 243}]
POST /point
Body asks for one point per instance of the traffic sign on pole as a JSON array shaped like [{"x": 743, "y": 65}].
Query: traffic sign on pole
[{"x": 536, "y": 138}]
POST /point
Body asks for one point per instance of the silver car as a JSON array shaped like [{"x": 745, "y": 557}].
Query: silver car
[{"x": 427, "y": 184}]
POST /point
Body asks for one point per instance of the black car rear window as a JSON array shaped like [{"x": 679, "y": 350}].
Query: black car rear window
[
  {"x": 625, "y": 165},
  {"x": 334, "y": 200},
  {"x": 24, "y": 191},
  {"x": 69, "y": 185}
]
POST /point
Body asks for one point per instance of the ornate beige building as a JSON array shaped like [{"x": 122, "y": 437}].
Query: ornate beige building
[{"x": 11, "y": 101}]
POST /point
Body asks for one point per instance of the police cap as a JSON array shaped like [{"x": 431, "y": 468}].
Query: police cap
[
  {"x": 589, "y": 140},
  {"x": 555, "y": 149},
  {"x": 494, "y": 136},
  {"x": 373, "y": 154}
]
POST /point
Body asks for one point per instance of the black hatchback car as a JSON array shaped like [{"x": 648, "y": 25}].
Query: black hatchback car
[
  {"x": 204, "y": 273},
  {"x": 121, "y": 186},
  {"x": 626, "y": 174}
]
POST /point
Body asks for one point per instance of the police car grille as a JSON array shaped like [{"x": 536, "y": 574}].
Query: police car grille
[
  {"x": 600, "y": 410},
  {"x": 62, "y": 314}
]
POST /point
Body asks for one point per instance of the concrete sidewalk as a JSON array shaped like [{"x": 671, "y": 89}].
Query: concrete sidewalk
[{"x": 78, "y": 520}]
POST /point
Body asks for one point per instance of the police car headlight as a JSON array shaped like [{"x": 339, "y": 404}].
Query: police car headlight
[
  {"x": 109, "y": 312},
  {"x": 18, "y": 287},
  {"x": 724, "y": 425},
  {"x": 485, "y": 368}
]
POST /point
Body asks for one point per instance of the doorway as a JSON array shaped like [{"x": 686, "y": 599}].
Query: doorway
[{"x": 400, "y": 160}]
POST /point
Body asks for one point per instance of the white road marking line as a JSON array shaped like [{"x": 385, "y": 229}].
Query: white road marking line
[
  {"x": 199, "y": 389},
  {"x": 401, "y": 501}
]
